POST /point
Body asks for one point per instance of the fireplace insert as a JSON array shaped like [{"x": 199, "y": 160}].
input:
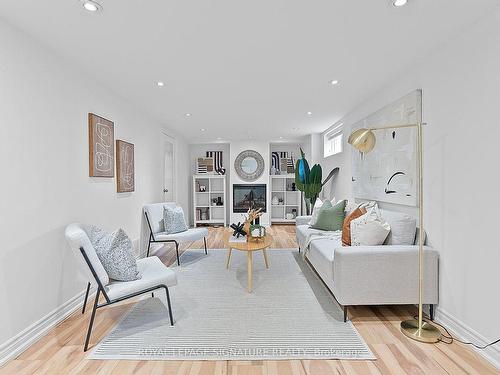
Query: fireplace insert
[{"x": 247, "y": 196}]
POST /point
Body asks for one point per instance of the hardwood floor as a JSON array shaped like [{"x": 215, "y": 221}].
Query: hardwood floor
[{"x": 61, "y": 350}]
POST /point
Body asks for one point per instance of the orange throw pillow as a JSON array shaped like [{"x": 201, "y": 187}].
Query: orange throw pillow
[{"x": 346, "y": 228}]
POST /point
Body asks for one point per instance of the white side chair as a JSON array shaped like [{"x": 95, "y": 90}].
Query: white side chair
[
  {"x": 155, "y": 275},
  {"x": 154, "y": 217}
]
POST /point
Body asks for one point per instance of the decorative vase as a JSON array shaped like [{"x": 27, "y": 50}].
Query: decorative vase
[{"x": 275, "y": 200}]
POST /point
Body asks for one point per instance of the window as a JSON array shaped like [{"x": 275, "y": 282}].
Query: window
[{"x": 332, "y": 141}]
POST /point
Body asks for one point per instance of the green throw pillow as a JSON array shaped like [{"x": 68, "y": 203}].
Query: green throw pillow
[{"x": 330, "y": 217}]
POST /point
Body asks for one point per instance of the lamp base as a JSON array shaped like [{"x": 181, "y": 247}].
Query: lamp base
[{"x": 428, "y": 332}]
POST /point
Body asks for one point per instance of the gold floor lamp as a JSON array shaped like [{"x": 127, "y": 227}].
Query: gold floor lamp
[{"x": 364, "y": 140}]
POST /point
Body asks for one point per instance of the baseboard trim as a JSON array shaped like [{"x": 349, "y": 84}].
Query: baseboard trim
[
  {"x": 465, "y": 333},
  {"x": 22, "y": 341}
]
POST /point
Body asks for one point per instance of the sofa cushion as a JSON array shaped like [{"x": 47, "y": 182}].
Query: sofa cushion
[
  {"x": 403, "y": 228},
  {"x": 330, "y": 218},
  {"x": 303, "y": 232},
  {"x": 321, "y": 256},
  {"x": 346, "y": 228},
  {"x": 369, "y": 229},
  {"x": 315, "y": 211}
]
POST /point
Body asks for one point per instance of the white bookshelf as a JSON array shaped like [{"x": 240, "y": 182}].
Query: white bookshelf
[
  {"x": 215, "y": 186},
  {"x": 281, "y": 188}
]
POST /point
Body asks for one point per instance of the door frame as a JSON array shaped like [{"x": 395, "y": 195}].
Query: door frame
[{"x": 169, "y": 138}]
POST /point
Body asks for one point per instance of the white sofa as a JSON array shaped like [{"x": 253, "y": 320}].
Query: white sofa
[{"x": 370, "y": 275}]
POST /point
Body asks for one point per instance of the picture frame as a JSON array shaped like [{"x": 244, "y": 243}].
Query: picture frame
[
  {"x": 125, "y": 167},
  {"x": 101, "y": 146}
]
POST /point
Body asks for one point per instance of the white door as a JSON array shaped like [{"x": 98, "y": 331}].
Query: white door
[{"x": 169, "y": 169}]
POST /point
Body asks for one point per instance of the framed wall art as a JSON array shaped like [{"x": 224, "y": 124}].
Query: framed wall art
[
  {"x": 125, "y": 170},
  {"x": 101, "y": 147}
]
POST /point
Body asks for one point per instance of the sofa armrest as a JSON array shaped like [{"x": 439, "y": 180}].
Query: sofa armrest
[
  {"x": 302, "y": 220},
  {"x": 385, "y": 274}
]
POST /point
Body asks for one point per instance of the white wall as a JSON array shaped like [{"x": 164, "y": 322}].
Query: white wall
[
  {"x": 460, "y": 85},
  {"x": 197, "y": 150},
  {"x": 44, "y": 103},
  {"x": 263, "y": 149}
]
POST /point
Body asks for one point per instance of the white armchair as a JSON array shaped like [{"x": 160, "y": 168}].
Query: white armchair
[
  {"x": 154, "y": 275},
  {"x": 153, "y": 213}
]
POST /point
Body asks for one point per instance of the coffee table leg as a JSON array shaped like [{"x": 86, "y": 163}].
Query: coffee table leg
[
  {"x": 228, "y": 258},
  {"x": 249, "y": 271},
  {"x": 265, "y": 258}
]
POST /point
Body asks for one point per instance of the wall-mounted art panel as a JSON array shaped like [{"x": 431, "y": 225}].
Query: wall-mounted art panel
[
  {"x": 101, "y": 147},
  {"x": 389, "y": 172},
  {"x": 125, "y": 179}
]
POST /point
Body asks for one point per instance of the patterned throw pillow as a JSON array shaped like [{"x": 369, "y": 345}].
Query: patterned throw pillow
[
  {"x": 369, "y": 229},
  {"x": 114, "y": 250},
  {"x": 173, "y": 220}
]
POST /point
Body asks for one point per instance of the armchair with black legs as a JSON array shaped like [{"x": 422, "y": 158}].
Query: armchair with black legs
[
  {"x": 153, "y": 230},
  {"x": 154, "y": 275}
]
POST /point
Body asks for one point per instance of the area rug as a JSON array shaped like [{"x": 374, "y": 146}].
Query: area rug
[{"x": 289, "y": 315}]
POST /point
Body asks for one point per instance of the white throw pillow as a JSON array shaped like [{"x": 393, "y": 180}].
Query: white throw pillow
[
  {"x": 369, "y": 229},
  {"x": 315, "y": 211},
  {"x": 173, "y": 220},
  {"x": 403, "y": 228}
]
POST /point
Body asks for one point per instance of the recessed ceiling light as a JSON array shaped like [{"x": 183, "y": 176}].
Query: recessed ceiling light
[
  {"x": 281, "y": 137},
  {"x": 399, "y": 3},
  {"x": 219, "y": 138},
  {"x": 203, "y": 129},
  {"x": 160, "y": 84},
  {"x": 309, "y": 113},
  {"x": 189, "y": 115},
  {"x": 91, "y": 5},
  {"x": 334, "y": 82},
  {"x": 294, "y": 129}
]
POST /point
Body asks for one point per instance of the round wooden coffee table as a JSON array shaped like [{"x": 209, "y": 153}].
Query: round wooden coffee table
[{"x": 249, "y": 247}]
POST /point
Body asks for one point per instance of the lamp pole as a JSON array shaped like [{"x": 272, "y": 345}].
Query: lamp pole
[{"x": 364, "y": 140}]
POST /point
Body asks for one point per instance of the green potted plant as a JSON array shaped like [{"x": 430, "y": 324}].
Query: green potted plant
[{"x": 308, "y": 181}]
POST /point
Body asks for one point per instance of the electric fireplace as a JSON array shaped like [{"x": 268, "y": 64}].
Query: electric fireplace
[{"x": 246, "y": 196}]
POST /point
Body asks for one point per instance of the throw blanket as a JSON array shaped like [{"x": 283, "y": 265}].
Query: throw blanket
[{"x": 332, "y": 235}]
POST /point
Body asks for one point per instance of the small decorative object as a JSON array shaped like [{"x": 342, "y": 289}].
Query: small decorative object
[
  {"x": 249, "y": 165},
  {"x": 294, "y": 187},
  {"x": 294, "y": 212},
  {"x": 275, "y": 162},
  {"x": 289, "y": 216},
  {"x": 216, "y": 156},
  {"x": 205, "y": 163},
  {"x": 124, "y": 167},
  {"x": 214, "y": 201},
  {"x": 221, "y": 171},
  {"x": 219, "y": 201},
  {"x": 275, "y": 200},
  {"x": 257, "y": 232},
  {"x": 204, "y": 215},
  {"x": 203, "y": 188},
  {"x": 238, "y": 229},
  {"x": 309, "y": 180},
  {"x": 101, "y": 147},
  {"x": 251, "y": 216},
  {"x": 280, "y": 201}
]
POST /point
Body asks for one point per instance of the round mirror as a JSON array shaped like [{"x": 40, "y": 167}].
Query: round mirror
[{"x": 249, "y": 165}]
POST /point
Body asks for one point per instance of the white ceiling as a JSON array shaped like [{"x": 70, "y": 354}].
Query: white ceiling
[{"x": 245, "y": 67}]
